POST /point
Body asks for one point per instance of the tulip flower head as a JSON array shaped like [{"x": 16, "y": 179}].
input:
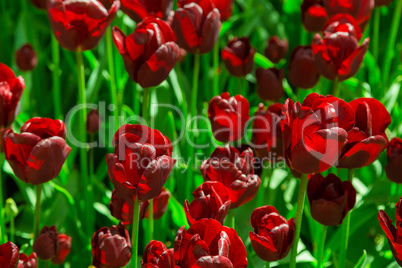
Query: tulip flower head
[
  {"x": 156, "y": 255},
  {"x": 123, "y": 210},
  {"x": 30, "y": 261},
  {"x": 161, "y": 202},
  {"x": 303, "y": 72},
  {"x": 314, "y": 15},
  {"x": 225, "y": 8},
  {"x": 9, "y": 255},
  {"x": 47, "y": 243},
  {"x": 393, "y": 169},
  {"x": 93, "y": 121},
  {"x": 26, "y": 58},
  {"x": 238, "y": 57},
  {"x": 277, "y": 49},
  {"x": 63, "y": 249},
  {"x": 138, "y": 10},
  {"x": 269, "y": 83}
]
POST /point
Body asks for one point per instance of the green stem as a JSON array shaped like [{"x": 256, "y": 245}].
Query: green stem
[
  {"x": 230, "y": 219},
  {"x": 151, "y": 219},
  {"x": 321, "y": 246},
  {"x": 134, "y": 234},
  {"x": 56, "y": 78},
  {"x": 46, "y": 264},
  {"x": 240, "y": 92},
  {"x": 267, "y": 264},
  {"x": 193, "y": 113},
  {"x": 83, "y": 138},
  {"x": 3, "y": 237},
  {"x": 391, "y": 42},
  {"x": 299, "y": 217},
  {"x": 145, "y": 105},
  {"x": 12, "y": 229},
  {"x": 37, "y": 211},
  {"x": 216, "y": 69},
  {"x": 345, "y": 230},
  {"x": 335, "y": 88},
  {"x": 112, "y": 73},
  {"x": 136, "y": 99},
  {"x": 376, "y": 33},
  {"x": 91, "y": 183},
  {"x": 264, "y": 189}
]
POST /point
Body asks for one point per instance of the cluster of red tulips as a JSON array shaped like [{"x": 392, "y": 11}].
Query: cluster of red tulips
[{"x": 314, "y": 136}]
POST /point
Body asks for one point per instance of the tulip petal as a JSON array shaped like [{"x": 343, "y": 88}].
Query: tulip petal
[{"x": 351, "y": 64}]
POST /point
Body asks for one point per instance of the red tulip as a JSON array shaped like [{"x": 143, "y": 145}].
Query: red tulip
[
  {"x": 138, "y": 10},
  {"x": 235, "y": 171},
  {"x": 156, "y": 255},
  {"x": 238, "y": 57},
  {"x": 207, "y": 242},
  {"x": 228, "y": 117},
  {"x": 150, "y": 53},
  {"x": 338, "y": 54},
  {"x": 277, "y": 49},
  {"x": 393, "y": 169},
  {"x": 111, "y": 247},
  {"x": 360, "y": 9},
  {"x": 62, "y": 250},
  {"x": 315, "y": 132},
  {"x": 211, "y": 201},
  {"x": 141, "y": 163},
  {"x": 367, "y": 139},
  {"x": 47, "y": 243},
  {"x": 161, "y": 202},
  {"x": 303, "y": 72},
  {"x": 392, "y": 232},
  {"x": 93, "y": 121},
  {"x": 38, "y": 153},
  {"x": 80, "y": 25},
  {"x": 225, "y": 8},
  {"x": 314, "y": 15},
  {"x": 9, "y": 255},
  {"x": 330, "y": 198},
  {"x": 39, "y": 3},
  {"x": 26, "y": 58},
  {"x": 197, "y": 25},
  {"x": 123, "y": 210},
  {"x": 269, "y": 83},
  {"x": 342, "y": 23},
  {"x": 11, "y": 89},
  {"x": 273, "y": 236},
  {"x": 30, "y": 261}
]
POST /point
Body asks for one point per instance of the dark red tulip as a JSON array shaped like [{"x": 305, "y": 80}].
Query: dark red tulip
[
  {"x": 330, "y": 198},
  {"x": 141, "y": 162},
  {"x": 367, "y": 139},
  {"x": 161, "y": 202},
  {"x": 93, "y": 121},
  {"x": 111, "y": 247},
  {"x": 342, "y": 23},
  {"x": 26, "y": 58},
  {"x": 225, "y": 8},
  {"x": 156, "y": 255},
  {"x": 80, "y": 25},
  {"x": 123, "y": 210},
  {"x": 39, "y": 3},
  {"x": 150, "y": 53},
  {"x": 269, "y": 83},
  {"x": 47, "y": 243},
  {"x": 380, "y": 3},
  {"x": 314, "y": 15},
  {"x": 228, "y": 117},
  {"x": 30, "y": 261},
  {"x": 11, "y": 89},
  {"x": 208, "y": 241},
  {"x": 267, "y": 132},
  {"x": 277, "y": 49},
  {"x": 235, "y": 171},
  {"x": 392, "y": 232},
  {"x": 315, "y": 132},
  {"x": 338, "y": 55},
  {"x": 38, "y": 153},
  {"x": 197, "y": 25},
  {"x": 360, "y": 9},
  {"x": 303, "y": 72},
  {"x": 138, "y": 10},
  {"x": 211, "y": 201},
  {"x": 238, "y": 57},
  {"x": 9, "y": 255},
  {"x": 273, "y": 236},
  {"x": 62, "y": 250},
  {"x": 393, "y": 169}
]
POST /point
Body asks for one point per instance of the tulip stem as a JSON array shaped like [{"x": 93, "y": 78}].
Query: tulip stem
[
  {"x": 83, "y": 137},
  {"x": 12, "y": 228},
  {"x": 321, "y": 246},
  {"x": 216, "y": 69},
  {"x": 267, "y": 264},
  {"x": 335, "y": 88},
  {"x": 265, "y": 188},
  {"x": 134, "y": 234},
  {"x": 230, "y": 219},
  {"x": 376, "y": 32},
  {"x": 37, "y": 211},
  {"x": 389, "y": 54},
  {"x": 112, "y": 74},
  {"x": 56, "y": 78},
  {"x": 3, "y": 237},
  {"x": 91, "y": 183},
  {"x": 145, "y": 105},
  {"x": 194, "y": 94},
  {"x": 299, "y": 217},
  {"x": 345, "y": 230},
  {"x": 151, "y": 220}
]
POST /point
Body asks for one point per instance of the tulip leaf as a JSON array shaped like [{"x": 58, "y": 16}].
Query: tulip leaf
[
  {"x": 362, "y": 261},
  {"x": 262, "y": 61},
  {"x": 178, "y": 215}
]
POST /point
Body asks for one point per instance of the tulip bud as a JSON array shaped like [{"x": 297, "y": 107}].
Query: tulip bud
[
  {"x": 269, "y": 83},
  {"x": 11, "y": 208},
  {"x": 238, "y": 57},
  {"x": 93, "y": 121},
  {"x": 9, "y": 255},
  {"x": 393, "y": 169},
  {"x": 276, "y": 49},
  {"x": 314, "y": 15},
  {"x": 47, "y": 243},
  {"x": 30, "y": 261},
  {"x": 62, "y": 250},
  {"x": 303, "y": 72},
  {"x": 26, "y": 58}
]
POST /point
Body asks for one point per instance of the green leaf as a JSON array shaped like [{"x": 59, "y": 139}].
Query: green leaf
[
  {"x": 362, "y": 260},
  {"x": 178, "y": 215}
]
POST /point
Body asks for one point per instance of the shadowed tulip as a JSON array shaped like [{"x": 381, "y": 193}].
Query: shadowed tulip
[
  {"x": 138, "y": 10},
  {"x": 62, "y": 250},
  {"x": 269, "y": 83},
  {"x": 314, "y": 15},
  {"x": 47, "y": 243},
  {"x": 277, "y": 49},
  {"x": 238, "y": 57},
  {"x": 9, "y": 255},
  {"x": 123, "y": 210},
  {"x": 93, "y": 121},
  {"x": 26, "y": 58},
  {"x": 303, "y": 72},
  {"x": 393, "y": 169}
]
